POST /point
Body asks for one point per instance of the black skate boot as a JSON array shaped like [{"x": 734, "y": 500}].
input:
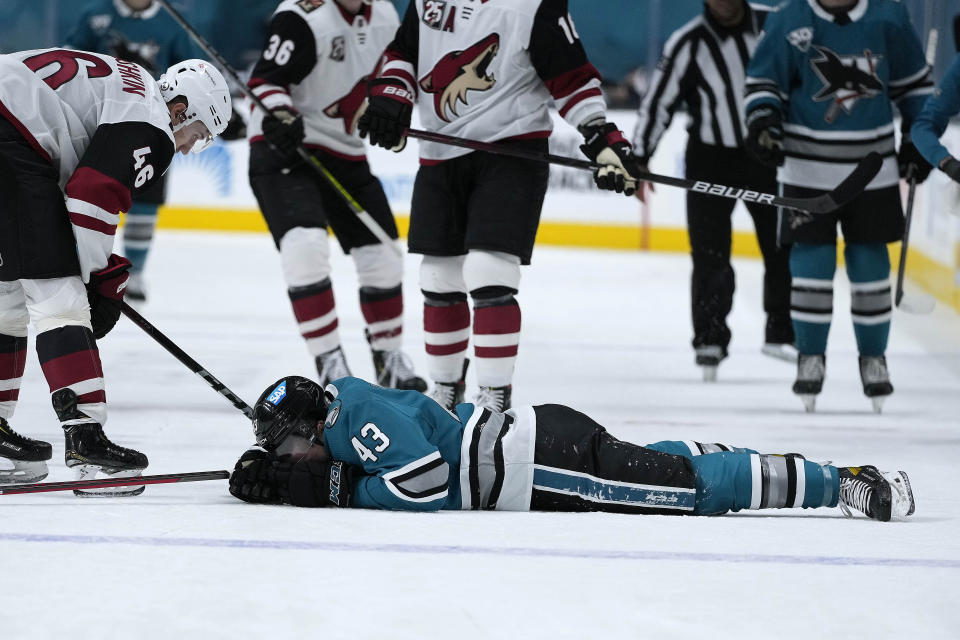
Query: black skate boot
[
  {"x": 811, "y": 370},
  {"x": 331, "y": 366},
  {"x": 779, "y": 339},
  {"x": 494, "y": 398},
  {"x": 878, "y": 495},
  {"x": 395, "y": 371},
  {"x": 709, "y": 357},
  {"x": 449, "y": 394},
  {"x": 88, "y": 451},
  {"x": 876, "y": 380},
  {"x": 28, "y": 457}
]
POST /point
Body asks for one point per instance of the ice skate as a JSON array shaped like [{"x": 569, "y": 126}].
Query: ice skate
[
  {"x": 88, "y": 451},
  {"x": 449, "y": 394},
  {"x": 494, "y": 398},
  {"x": 708, "y": 357},
  {"x": 395, "y": 371},
  {"x": 876, "y": 380},
  {"x": 331, "y": 366},
  {"x": 878, "y": 495},
  {"x": 811, "y": 370},
  {"x": 780, "y": 350},
  {"x": 27, "y": 456}
]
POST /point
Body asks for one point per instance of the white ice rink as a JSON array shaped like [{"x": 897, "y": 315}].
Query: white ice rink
[{"x": 606, "y": 332}]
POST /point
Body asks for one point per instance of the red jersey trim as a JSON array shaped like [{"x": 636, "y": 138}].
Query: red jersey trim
[
  {"x": 569, "y": 81},
  {"x": 98, "y": 189},
  {"x": 578, "y": 98}
]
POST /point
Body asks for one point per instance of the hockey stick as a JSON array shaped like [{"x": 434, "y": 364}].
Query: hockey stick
[
  {"x": 182, "y": 356},
  {"x": 103, "y": 483},
  {"x": 922, "y": 303},
  {"x": 846, "y": 191},
  {"x": 308, "y": 157}
]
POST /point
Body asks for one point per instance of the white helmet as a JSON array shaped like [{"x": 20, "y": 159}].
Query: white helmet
[{"x": 207, "y": 94}]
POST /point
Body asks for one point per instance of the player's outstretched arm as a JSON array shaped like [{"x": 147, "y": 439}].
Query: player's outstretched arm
[{"x": 933, "y": 119}]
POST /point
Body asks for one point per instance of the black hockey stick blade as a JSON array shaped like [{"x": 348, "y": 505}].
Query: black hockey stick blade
[
  {"x": 852, "y": 186},
  {"x": 102, "y": 483}
]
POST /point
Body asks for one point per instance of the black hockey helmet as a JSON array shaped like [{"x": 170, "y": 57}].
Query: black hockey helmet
[{"x": 291, "y": 405}]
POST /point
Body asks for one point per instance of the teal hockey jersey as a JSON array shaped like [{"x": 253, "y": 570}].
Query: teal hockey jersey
[{"x": 836, "y": 81}]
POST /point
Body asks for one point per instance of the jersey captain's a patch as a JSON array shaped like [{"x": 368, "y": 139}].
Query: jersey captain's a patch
[{"x": 846, "y": 79}]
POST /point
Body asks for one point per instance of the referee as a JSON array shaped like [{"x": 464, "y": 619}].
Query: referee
[{"x": 703, "y": 66}]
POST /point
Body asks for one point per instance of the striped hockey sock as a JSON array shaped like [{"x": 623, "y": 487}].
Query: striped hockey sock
[
  {"x": 811, "y": 296},
  {"x": 13, "y": 361},
  {"x": 446, "y": 326},
  {"x": 868, "y": 267},
  {"x": 316, "y": 313},
  {"x": 496, "y": 338},
  {"x": 383, "y": 311},
  {"x": 69, "y": 359}
]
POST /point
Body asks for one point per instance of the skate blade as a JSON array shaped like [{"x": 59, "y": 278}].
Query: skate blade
[
  {"x": 877, "y": 402},
  {"x": 90, "y": 471},
  {"x": 901, "y": 484},
  {"x": 710, "y": 373},
  {"x": 23, "y": 472},
  {"x": 787, "y": 353},
  {"x": 809, "y": 402}
]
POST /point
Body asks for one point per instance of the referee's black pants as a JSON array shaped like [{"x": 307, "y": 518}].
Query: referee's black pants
[{"x": 709, "y": 227}]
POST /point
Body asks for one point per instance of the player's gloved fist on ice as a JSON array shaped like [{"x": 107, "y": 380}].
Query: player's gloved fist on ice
[
  {"x": 260, "y": 477},
  {"x": 765, "y": 135},
  {"x": 909, "y": 158},
  {"x": 387, "y": 116},
  {"x": 283, "y": 131},
  {"x": 951, "y": 167},
  {"x": 606, "y": 145},
  {"x": 253, "y": 479},
  {"x": 105, "y": 294}
]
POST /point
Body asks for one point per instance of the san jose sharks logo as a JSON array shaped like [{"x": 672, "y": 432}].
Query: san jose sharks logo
[
  {"x": 351, "y": 106},
  {"x": 459, "y": 72},
  {"x": 846, "y": 79}
]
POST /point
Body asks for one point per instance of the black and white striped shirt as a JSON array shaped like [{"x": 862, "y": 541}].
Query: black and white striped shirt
[{"x": 703, "y": 65}]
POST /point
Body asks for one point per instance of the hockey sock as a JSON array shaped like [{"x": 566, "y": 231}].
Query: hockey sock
[
  {"x": 868, "y": 267},
  {"x": 13, "y": 360},
  {"x": 811, "y": 297},
  {"x": 446, "y": 328},
  {"x": 690, "y": 448},
  {"x": 496, "y": 334},
  {"x": 316, "y": 313},
  {"x": 729, "y": 481},
  {"x": 69, "y": 359},
  {"x": 383, "y": 311},
  {"x": 138, "y": 234}
]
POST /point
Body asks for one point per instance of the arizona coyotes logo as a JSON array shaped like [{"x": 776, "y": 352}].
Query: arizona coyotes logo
[
  {"x": 351, "y": 106},
  {"x": 459, "y": 72},
  {"x": 846, "y": 79}
]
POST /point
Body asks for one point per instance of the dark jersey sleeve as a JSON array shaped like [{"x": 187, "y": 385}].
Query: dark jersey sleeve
[
  {"x": 287, "y": 58},
  {"x": 560, "y": 60},
  {"x": 122, "y": 158},
  {"x": 399, "y": 60}
]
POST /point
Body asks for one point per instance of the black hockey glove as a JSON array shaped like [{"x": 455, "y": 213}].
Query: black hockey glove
[
  {"x": 606, "y": 145},
  {"x": 387, "y": 116},
  {"x": 951, "y": 167},
  {"x": 765, "y": 135},
  {"x": 263, "y": 478},
  {"x": 105, "y": 294},
  {"x": 909, "y": 158},
  {"x": 283, "y": 131}
]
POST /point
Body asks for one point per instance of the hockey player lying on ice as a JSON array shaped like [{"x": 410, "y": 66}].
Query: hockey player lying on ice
[{"x": 353, "y": 444}]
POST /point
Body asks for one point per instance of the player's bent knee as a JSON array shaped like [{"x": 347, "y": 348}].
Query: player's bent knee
[
  {"x": 483, "y": 269},
  {"x": 305, "y": 256},
  {"x": 442, "y": 274},
  {"x": 57, "y": 302},
  {"x": 377, "y": 266}
]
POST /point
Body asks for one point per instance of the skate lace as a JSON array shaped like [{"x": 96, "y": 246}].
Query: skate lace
[
  {"x": 810, "y": 369},
  {"x": 396, "y": 366},
  {"x": 8, "y": 430},
  {"x": 444, "y": 394},
  {"x": 874, "y": 370},
  {"x": 854, "y": 493},
  {"x": 334, "y": 367},
  {"x": 491, "y": 398}
]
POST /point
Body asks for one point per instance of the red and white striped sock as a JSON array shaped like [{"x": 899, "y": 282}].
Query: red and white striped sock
[
  {"x": 496, "y": 338},
  {"x": 69, "y": 359},
  {"x": 446, "y": 326},
  {"x": 316, "y": 313},
  {"x": 13, "y": 360},
  {"x": 383, "y": 311}
]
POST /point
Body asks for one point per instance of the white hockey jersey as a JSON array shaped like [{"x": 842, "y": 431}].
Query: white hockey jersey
[
  {"x": 317, "y": 60},
  {"x": 101, "y": 122},
  {"x": 487, "y": 69}
]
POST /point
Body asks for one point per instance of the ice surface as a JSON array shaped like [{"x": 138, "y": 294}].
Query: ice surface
[{"x": 606, "y": 332}]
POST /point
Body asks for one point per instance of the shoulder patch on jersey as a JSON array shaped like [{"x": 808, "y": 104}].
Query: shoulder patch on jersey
[
  {"x": 332, "y": 416},
  {"x": 338, "y": 49},
  {"x": 801, "y": 38},
  {"x": 310, "y": 5}
]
